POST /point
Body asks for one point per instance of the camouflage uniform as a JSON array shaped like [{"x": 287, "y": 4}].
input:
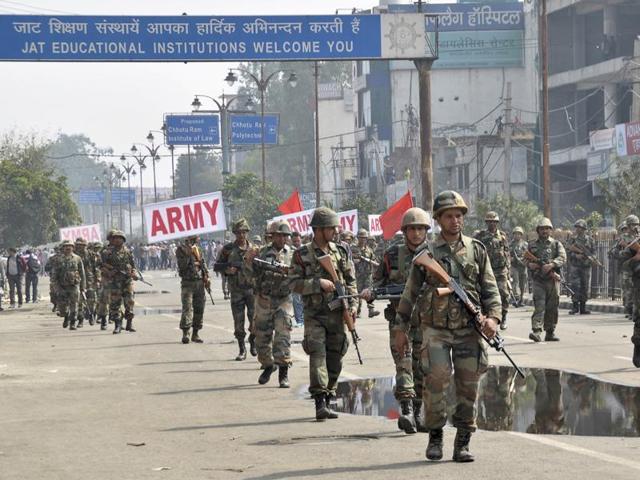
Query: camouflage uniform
[
  {"x": 120, "y": 285},
  {"x": 626, "y": 275},
  {"x": 192, "y": 289},
  {"x": 54, "y": 288},
  {"x": 363, "y": 273},
  {"x": 497, "y": 247},
  {"x": 633, "y": 264},
  {"x": 518, "y": 269},
  {"x": 85, "y": 309},
  {"x": 70, "y": 278},
  {"x": 579, "y": 271}
]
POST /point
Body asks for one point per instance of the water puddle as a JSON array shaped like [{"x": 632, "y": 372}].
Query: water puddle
[
  {"x": 156, "y": 311},
  {"x": 546, "y": 401}
]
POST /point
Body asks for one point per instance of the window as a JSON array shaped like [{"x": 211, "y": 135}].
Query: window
[{"x": 462, "y": 172}]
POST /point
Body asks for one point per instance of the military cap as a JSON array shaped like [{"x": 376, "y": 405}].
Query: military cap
[
  {"x": 66, "y": 243},
  {"x": 240, "y": 225},
  {"x": 362, "y": 233},
  {"x": 80, "y": 241},
  {"x": 632, "y": 220},
  {"x": 544, "y": 222},
  {"x": 324, "y": 217},
  {"x": 447, "y": 200},
  {"x": 580, "y": 224},
  {"x": 518, "y": 230},
  {"x": 491, "y": 217},
  {"x": 415, "y": 216}
]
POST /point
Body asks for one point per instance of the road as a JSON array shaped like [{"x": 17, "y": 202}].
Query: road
[{"x": 89, "y": 404}]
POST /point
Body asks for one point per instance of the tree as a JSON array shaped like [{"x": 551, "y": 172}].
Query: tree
[
  {"x": 365, "y": 205},
  {"x": 621, "y": 193},
  {"x": 512, "y": 212},
  {"x": 206, "y": 173},
  {"x": 244, "y": 197},
  {"x": 34, "y": 201}
]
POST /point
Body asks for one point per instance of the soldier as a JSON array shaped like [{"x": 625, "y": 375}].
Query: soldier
[
  {"x": 88, "y": 262},
  {"x": 257, "y": 240},
  {"x": 497, "y": 247},
  {"x": 518, "y": 265},
  {"x": 325, "y": 340},
  {"x": 229, "y": 263},
  {"x": 194, "y": 279},
  {"x": 448, "y": 340},
  {"x": 620, "y": 244},
  {"x": 579, "y": 247},
  {"x": 551, "y": 256},
  {"x": 633, "y": 223},
  {"x": 69, "y": 275},
  {"x": 95, "y": 248},
  {"x": 274, "y": 306},
  {"x": 364, "y": 260},
  {"x": 394, "y": 270},
  {"x": 50, "y": 268},
  {"x": 118, "y": 273},
  {"x": 632, "y": 262},
  {"x": 103, "y": 296}
]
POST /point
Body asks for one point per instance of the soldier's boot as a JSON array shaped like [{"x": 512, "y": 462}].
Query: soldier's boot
[
  {"x": 195, "y": 338},
  {"x": 65, "y": 323},
  {"x": 80, "y": 323},
  {"x": 92, "y": 319},
  {"x": 461, "y": 447},
  {"x": 252, "y": 345},
  {"x": 503, "y": 322},
  {"x": 417, "y": 416},
  {"x": 72, "y": 322},
  {"x": 550, "y": 336},
  {"x": 583, "y": 309},
  {"x": 118, "y": 328},
  {"x": 406, "y": 422},
  {"x": 636, "y": 356},
  {"x": 129, "y": 327},
  {"x": 283, "y": 376},
  {"x": 434, "y": 447},
  {"x": 372, "y": 311},
  {"x": 575, "y": 308},
  {"x": 242, "y": 354},
  {"x": 265, "y": 376},
  {"x": 103, "y": 322},
  {"x": 322, "y": 412},
  {"x": 329, "y": 401},
  {"x": 535, "y": 336},
  {"x": 185, "y": 335}
]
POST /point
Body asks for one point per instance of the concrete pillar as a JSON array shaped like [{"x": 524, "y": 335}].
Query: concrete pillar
[
  {"x": 610, "y": 101},
  {"x": 609, "y": 23}
]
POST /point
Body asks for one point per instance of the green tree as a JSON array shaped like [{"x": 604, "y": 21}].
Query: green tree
[
  {"x": 206, "y": 173},
  {"x": 365, "y": 205},
  {"x": 244, "y": 197},
  {"x": 513, "y": 213},
  {"x": 34, "y": 201},
  {"x": 621, "y": 193}
]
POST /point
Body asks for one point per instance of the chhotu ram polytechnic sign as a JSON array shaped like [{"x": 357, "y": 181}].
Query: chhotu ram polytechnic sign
[
  {"x": 192, "y": 129},
  {"x": 299, "y": 221},
  {"x": 183, "y": 217},
  {"x": 182, "y": 38},
  {"x": 91, "y": 233},
  {"x": 245, "y": 129}
]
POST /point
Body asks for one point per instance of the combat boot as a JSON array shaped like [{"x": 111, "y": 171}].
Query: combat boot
[
  {"x": 252, "y": 345},
  {"x": 373, "y": 312},
  {"x": 417, "y": 416},
  {"x": 65, "y": 323},
  {"x": 322, "y": 412},
  {"x": 283, "y": 376},
  {"x": 72, "y": 323},
  {"x": 129, "y": 327},
  {"x": 636, "y": 356},
  {"x": 575, "y": 308},
  {"x": 103, "y": 322},
  {"x": 185, "y": 335},
  {"x": 80, "y": 323},
  {"x": 550, "y": 336},
  {"x": 461, "y": 447},
  {"x": 503, "y": 322},
  {"x": 265, "y": 376},
  {"x": 91, "y": 318},
  {"x": 535, "y": 336},
  {"x": 242, "y": 355},
  {"x": 195, "y": 338},
  {"x": 434, "y": 448},
  {"x": 583, "y": 309},
  {"x": 406, "y": 421},
  {"x": 331, "y": 406},
  {"x": 118, "y": 328}
]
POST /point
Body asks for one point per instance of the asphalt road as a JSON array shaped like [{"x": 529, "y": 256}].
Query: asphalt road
[{"x": 89, "y": 404}]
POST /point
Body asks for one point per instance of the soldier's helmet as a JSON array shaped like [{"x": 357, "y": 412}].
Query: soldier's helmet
[
  {"x": 544, "y": 222},
  {"x": 362, "y": 233},
  {"x": 491, "y": 217},
  {"x": 97, "y": 245},
  {"x": 281, "y": 226},
  {"x": 518, "y": 230},
  {"x": 622, "y": 226},
  {"x": 415, "y": 217},
  {"x": 324, "y": 217},
  {"x": 241, "y": 225},
  {"x": 347, "y": 236},
  {"x": 118, "y": 233},
  {"x": 581, "y": 224},
  {"x": 447, "y": 200},
  {"x": 81, "y": 241},
  {"x": 110, "y": 233},
  {"x": 66, "y": 243},
  {"x": 632, "y": 220},
  {"x": 257, "y": 239}
]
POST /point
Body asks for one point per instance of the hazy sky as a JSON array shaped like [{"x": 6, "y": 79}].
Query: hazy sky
[{"x": 116, "y": 104}]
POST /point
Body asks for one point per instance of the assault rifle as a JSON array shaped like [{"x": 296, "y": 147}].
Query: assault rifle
[
  {"x": 220, "y": 267},
  {"x": 139, "y": 277},
  {"x": 365, "y": 259},
  {"x": 426, "y": 260},
  {"x": 271, "y": 265},
  {"x": 203, "y": 271},
  {"x": 592, "y": 258},
  {"x": 552, "y": 273},
  {"x": 388, "y": 292},
  {"x": 87, "y": 312},
  {"x": 326, "y": 263}
]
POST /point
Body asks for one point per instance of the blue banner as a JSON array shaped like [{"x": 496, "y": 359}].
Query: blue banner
[
  {"x": 245, "y": 129},
  {"x": 193, "y": 129},
  {"x": 91, "y": 197},
  {"x": 189, "y": 38}
]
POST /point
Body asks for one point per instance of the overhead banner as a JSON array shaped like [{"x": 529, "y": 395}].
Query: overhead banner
[
  {"x": 299, "y": 221},
  {"x": 184, "y": 217},
  {"x": 628, "y": 139},
  {"x": 375, "y": 229},
  {"x": 183, "y": 38},
  {"x": 91, "y": 233}
]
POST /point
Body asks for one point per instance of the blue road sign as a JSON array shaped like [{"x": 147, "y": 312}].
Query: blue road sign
[
  {"x": 193, "y": 129},
  {"x": 123, "y": 196},
  {"x": 245, "y": 129},
  {"x": 90, "y": 196}
]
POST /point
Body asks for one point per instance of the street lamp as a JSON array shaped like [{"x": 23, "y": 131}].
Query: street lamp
[
  {"x": 129, "y": 168},
  {"x": 105, "y": 220},
  {"x": 153, "y": 154},
  {"x": 140, "y": 158},
  {"x": 262, "y": 83},
  {"x": 173, "y": 169},
  {"x": 116, "y": 175}
]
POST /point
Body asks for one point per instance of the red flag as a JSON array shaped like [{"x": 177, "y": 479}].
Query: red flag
[
  {"x": 391, "y": 220},
  {"x": 291, "y": 204}
]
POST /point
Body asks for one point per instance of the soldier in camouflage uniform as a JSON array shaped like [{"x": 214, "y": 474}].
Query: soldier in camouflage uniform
[
  {"x": 194, "y": 279},
  {"x": 102, "y": 291},
  {"x": 325, "y": 339},
  {"x": 449, "y": 342},
  {"x": 229, "y": 263},
  {"x": 579, "y": 267},
  {"x": 274, "y": 306},
  {"x": 632, "y": 262},
  {"x": 50, "y": 268},
  {"x": 633, "y": 223},
  {"x": 394, "y": 270},
  {"x": 88, "y": 262},
  {"x": 69, "y": 276},
  {"x": 546, "y": 287},
  {"x": 518, "y": 265},
  {"x": 363, "y": 260},
  {"x": 118, "y": 273},
  {"x": 497, "y": 247}
]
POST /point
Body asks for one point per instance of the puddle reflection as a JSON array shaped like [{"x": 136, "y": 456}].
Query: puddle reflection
[{"x": 156, "y": 311}]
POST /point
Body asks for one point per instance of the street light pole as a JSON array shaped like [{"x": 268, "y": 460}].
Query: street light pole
[
  {"x": 130, "y": 169},
  {"x": 140, "y": 158},
  {"x": 153, "y": 154}
]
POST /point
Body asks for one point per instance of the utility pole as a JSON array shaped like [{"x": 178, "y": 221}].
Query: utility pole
[
  {"x": 508, "y": 130},
  {"x": 544, "y": 51},
  {"x": 316, "y": 75}
]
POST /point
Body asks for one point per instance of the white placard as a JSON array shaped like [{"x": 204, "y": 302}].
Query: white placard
[
  {"x": 91, "y": 233},
  {"x": 299, "y": 221},
  {"x": 375, "y": 229}
]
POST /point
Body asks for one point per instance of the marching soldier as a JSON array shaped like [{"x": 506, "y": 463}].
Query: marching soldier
[
  {"x": 498, "y": 249},
  {"x": 632, "y": 261},
  {"x": 84, "y": 309},
  {"x": 50, "y": 269},
  {"x": 364, "y": 260},
  {"x": 633, "y": 223},
  {"x": 518, "y": 265},
  {"x": 104, "y": 295},
  {"x": 240, "y": 285},
  {"x": 194, "y": 279},
  {"x": 70, "y": 279},
  {"x": 550, "y": 257},
  {"x": 118, "y": 274},
  {"x": 394, "y": 270},
  {"x": 274, "y": 305},
  {"x": 579, "y": 247},
  {"x": 325, "y": 339},
  {"x": 450, "y": 344}
]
